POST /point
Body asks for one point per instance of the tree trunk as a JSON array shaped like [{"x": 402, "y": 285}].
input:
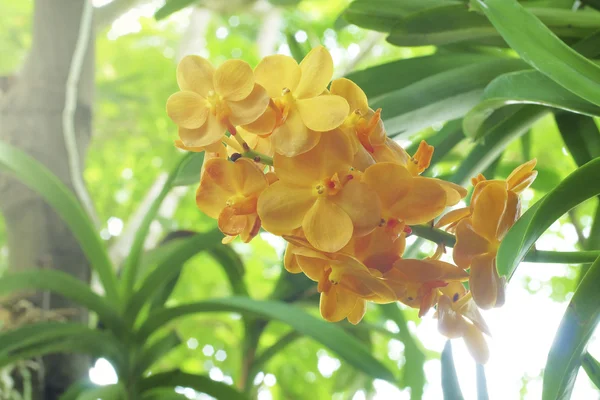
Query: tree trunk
[{"x": 31, "y": 115}]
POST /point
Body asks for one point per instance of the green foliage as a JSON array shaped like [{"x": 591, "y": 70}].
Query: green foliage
[{"x": 450, "y": 385}]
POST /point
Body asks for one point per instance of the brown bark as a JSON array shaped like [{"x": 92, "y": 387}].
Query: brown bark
[{"x": 31, "y": 115}]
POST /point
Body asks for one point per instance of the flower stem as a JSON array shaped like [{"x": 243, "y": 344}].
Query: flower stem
[
  {"x": 258, "y": 157},
  {"x": 232, "y": 143},
  {"x": 538, "y": 256}
]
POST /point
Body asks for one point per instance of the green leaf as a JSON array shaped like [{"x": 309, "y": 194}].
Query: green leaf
[
  {"x": 413, "y": 374},
  {"x": 523, "y": 87},
  {"x": 444, "y": 141},
  {"x": 109, "y": 392},
  {"x": 382, "y": 15},
  {"x": 163, "y": 394},
  {"x": 375, "y": 83},
  {"x": 38, "y": 178},
  {"x": 189, "y": 170},
  {"x": 155, "y": 351},
  {"x": 450, "y": 386},
  {"x": 592, "y": 369},
  {"x": 547, "y": 53},
  {"x": 499, "y": 137},
  {"x": 482, "y": 390},
  {"x": 200, "y": 383},
  {"x": 131, "y": 264},
  {"x": 77, "y": 388},
  {"x": 69, "y": 287},
  {"x": 581, "y": 136},
  {"x": 234, "y": 268},
  {"x": 168, "y": 267},
  {"x": 453, "y": 23},
  {"x": 574, "y": 189},
  {"x": 575, "y": 330},
  {"x": 441, "y": 97},
  {"x": 297, "y": 50},
  {"x": 172, "y": 6},
  {"x": 330, "y": 335},
  {"x": 91, "y": 342}
]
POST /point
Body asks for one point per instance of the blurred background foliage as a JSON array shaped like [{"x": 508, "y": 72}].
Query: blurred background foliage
[{"x": 132, "y": 148}]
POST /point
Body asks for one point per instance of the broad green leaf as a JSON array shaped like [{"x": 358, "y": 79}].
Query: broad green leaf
[
  {"x": 200, "y": 383},
  {"x": 382, "y": 15},
  {"x": 189, "y": 170},
  {"x": 413, "y": 374},
  {"x": 163, "y": 394},
  {"x": 575, "y": 330},
  {"x": 172, "y": 6},
  {"x": 523, "y": 87},
  {"x": 37, "y": 177},
  {"x": 297, "y": 50},
  {"x": 482, "y": 390},
  {"x": 109, "y": 392},
  {"x": 443, "y": 141},
  {"x": 169, "y": 267},
  {"x": 499, "y": 137},
  {"x": 450, "y": 386},
  {"x": 233, "y": 266},
  {"x": 452, "y": 23},
  {"x": 330, "y": 335},
  {"x": 592, "y": 369},
  {"x": 547, "y": 53},
  {"x": 67, "y": 286},
  {"x": 77, "y": 388},
  {"x": 581, "y": 136},
  {"x": 441, "y": 97},
  {"x": 574, "y": 189},
  {"x": 154, "y": 352},
  {"x": 381, "y": 79},
  {"x": 131, "y": 264}
]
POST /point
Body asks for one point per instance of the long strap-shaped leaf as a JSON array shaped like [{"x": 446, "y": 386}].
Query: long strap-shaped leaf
[
  {"x": 200, "y": 383},
  {"x": 574, "y": 189},
  {"x": 63, "y": 201},
  {"x": 67, "y": 286},
  {"x": 330, "y": 335},
  {"x": 574, "y": 332},
  {"x": 450, "y": 386},
  {"x": 130, "y": 267},
  {"x": 540, "y": 48}
]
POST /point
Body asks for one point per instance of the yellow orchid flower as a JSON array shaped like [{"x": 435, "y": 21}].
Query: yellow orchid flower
[
  {"x": 404, "y": 197},
  {"x": 212, "y": 101},
  {"x": 378, "y": 250},
  {"x": 229, "y": 192},
  {"x": 363, "y": 125},
  {"x": 317, "y": 192},
  {"x": 300, "y": 109},
  {"x": 478, "y": 238},
  {"x": 459, "y": 317},
  {"x": 345, "y": 284}
]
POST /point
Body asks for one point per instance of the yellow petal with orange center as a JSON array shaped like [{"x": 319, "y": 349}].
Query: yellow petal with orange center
[
  {"x": 215, "y": 187},
  {"x": 230, "y": 223},
  {"x": 424, "y": 201},
  {"x": 390, "y": 181},
  {"x": 489, "y": 209},
  {"x": 282, "y": 207},
  {"x": 264, "y": 124},
  {"x": 336, "y": 304},
  {"x": 332, "y": 154},
  {"x": 234, "y": 80},
  {"x": 427, "y": 270},
  {"x": 356, "y": 98},
  {"x": 249, "y": 180},
  {"x": 476, "y": 344},
  {"x": 195, "y": 73},
  {"x": 484, "y": 280},
  {"x": 313, "y": 268},
  {"x": 277, "y": 72},
  {"x": 317, "y": 70},
  {"x": 469, "y": 244},
  {"x": 361, "y": 204},
  {"x": 323, "y": 113},
  {"x": 187, "y": 109},
  {"x": 250, "y": 108},
  {"x": 326, "y": 226},
  {"x": 208, "y": 134},
  {"x": 293, "y": 137},
  {"x": 390, "y": 151},
  {"x": 252, "y": 228},
  {"x": 358, "y": 312}
]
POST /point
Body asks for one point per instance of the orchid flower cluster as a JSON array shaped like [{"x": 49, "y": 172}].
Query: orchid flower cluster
[{"x": 288, "y": 152}]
